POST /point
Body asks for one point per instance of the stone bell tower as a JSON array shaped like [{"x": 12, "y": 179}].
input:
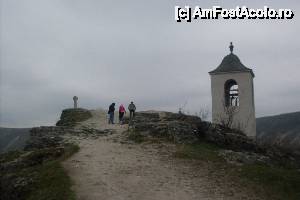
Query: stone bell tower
[{"x": 233, "y": 95}]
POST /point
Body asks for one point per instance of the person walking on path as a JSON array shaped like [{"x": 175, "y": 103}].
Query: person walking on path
[
  {"x": 131, "y": 109},
  {"x": 122, "y": 112},
  {"x": 111, "y": 112}
]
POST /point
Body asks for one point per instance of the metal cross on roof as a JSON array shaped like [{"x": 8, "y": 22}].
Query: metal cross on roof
[{"x": 231, "y": 47}]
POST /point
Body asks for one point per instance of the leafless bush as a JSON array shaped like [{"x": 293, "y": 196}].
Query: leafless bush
[
  {"x": 203, "y": 113},
  {"x": 182, "y": 108},
  {"x": 226, "y": 119}
]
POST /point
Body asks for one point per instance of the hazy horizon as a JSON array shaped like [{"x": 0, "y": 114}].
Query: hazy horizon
[{"x": 107, "y": 51}]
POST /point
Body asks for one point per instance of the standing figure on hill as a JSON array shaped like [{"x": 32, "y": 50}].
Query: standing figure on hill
[
  {"x": 122, "y": 112},
  {"x": 111, "y": 112},
  {"x": 131, "y": 109}
]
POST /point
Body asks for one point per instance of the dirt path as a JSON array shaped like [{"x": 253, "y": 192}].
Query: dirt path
[{"x": 109, "y": 169}]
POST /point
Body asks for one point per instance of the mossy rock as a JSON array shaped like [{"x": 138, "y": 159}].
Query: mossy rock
[{"x": 70, "y": 117}]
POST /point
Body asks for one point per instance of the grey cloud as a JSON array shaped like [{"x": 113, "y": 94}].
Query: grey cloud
[{"x": 104, "y": 51}]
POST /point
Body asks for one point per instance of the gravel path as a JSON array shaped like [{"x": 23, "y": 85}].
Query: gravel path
[{"x": 109, "y": 168}]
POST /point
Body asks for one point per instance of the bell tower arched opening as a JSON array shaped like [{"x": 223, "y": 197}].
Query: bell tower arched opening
[{"x": 231, "y": 89}]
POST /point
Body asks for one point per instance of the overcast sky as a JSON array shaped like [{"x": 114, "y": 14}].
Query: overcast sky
[{"x": 118, "y": 51}]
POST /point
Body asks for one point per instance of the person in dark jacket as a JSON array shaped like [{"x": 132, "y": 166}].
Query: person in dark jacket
[{"x": 111, "y": 112}]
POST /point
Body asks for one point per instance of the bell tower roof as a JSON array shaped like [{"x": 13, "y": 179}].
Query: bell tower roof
[{"x": 231, "y": 63}]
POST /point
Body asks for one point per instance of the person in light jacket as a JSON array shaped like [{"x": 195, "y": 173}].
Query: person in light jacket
[{"x": 131, "y": 109}]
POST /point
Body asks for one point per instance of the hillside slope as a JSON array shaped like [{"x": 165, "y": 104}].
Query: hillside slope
[
  {"x": 283, "y": 130},
  {"x": 13, "y": 138}
]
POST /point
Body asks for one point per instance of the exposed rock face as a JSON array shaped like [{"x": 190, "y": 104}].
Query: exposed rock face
[
  {"x": 230, "y": 139},
  {"x": 46, "y": 137},
  {"x": 180, "y": 128},
  {"x": 190, "y": 129},
  {"x": 70, "y": 117},
  {"x": 54, "y": 136}
]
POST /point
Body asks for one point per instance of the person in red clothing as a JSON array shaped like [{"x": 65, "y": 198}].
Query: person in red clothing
[{"x": 122, "y": 112}]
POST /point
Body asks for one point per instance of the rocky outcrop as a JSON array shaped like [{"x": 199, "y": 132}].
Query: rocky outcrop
[
  {"x": 19, "y": 172},
  {"x": 180, "y": 128},
  {"x": 227, "y": 138},
  {"x": 54, "y": 136},
  {"x": 190, "y": 129},
  {"x": 46, "y": 137},
  {"x": 18, "y": 169},
  {"x": 70, "y": 117},
  {"x": 240, "y": 158},
  {"x": 184, "y": 129}
]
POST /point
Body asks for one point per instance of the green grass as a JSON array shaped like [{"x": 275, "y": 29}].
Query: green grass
[
  {"x": 202, "y": 151},
  {"x": 135, "y": 136},
  {"x": 273, "y": 182},
  {"x": 53, "y": 183},
  {"x": 39, "y": 175},
  {"x": 285, "y": 183},
  {"x": 10, "y": 156},
  {"x": 70, "y": 149}
]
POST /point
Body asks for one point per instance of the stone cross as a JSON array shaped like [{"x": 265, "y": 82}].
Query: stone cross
[{"x": 75, "y": 98}]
